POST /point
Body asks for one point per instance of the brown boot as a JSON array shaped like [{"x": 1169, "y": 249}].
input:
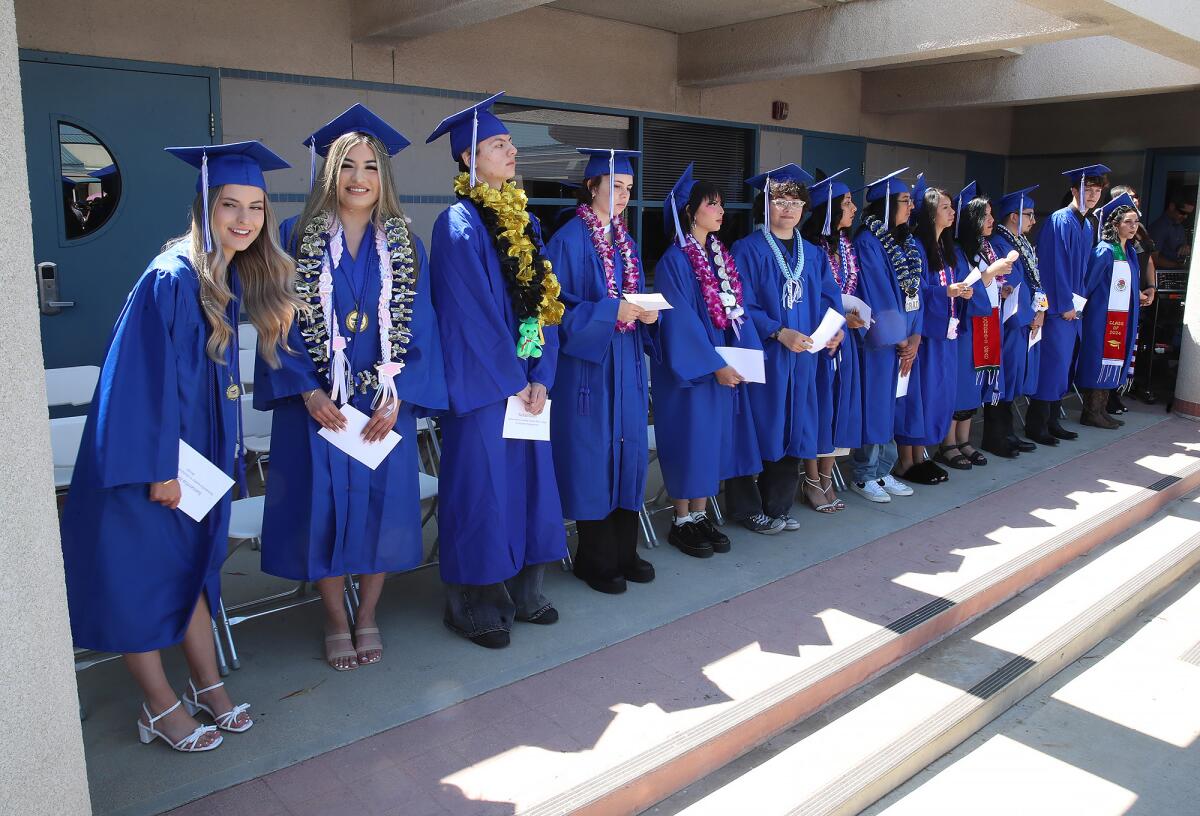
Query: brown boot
[{"x": 1094, "y": 402}]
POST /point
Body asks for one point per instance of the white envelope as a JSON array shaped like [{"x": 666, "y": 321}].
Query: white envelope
[
  {"x": 830, "y": 323},
  {"x": 1078, "y": 302},
  {"x": 349, "y": 440},
  {"x": 652, "y": 301},
  {"x": 1010, "y": 304},
  {"x": 520, "y": 424},
  {"x": 750, "y": 363},
  {"x": 201, "y": 483},
  {"x": 902, "y": 385},
  {"x": 852, "y": 303}
]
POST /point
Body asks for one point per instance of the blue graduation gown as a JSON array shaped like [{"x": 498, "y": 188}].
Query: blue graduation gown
[
  {"x": 499, "y": 508},
  {"x": 601, "y": 391},
  {"x": 1089, "y": 370},
  {"x": 704, "y": 430},
  {"x": 929, "y": 403},
  {"x": 326, "y": 514},
  {"x": 1063, "y": 248},
  {"x": 973, "y": 388},
  {"x": 880, "y": 290},
  {"x": 135, "y": 569},
  {"x": 785, "y": 408},
  {"x": 839, "y": 387},
  {"x": 1014, "y": 334}
]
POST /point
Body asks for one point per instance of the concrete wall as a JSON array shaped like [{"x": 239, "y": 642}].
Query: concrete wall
[
  {"x": 559, "y": 55},
  {"x": 1106, "y": 125},
  {"x": 41, "y": 758}
]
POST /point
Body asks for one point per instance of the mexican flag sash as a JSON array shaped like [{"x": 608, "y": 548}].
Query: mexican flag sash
[{"x": 1116, "y": 324}]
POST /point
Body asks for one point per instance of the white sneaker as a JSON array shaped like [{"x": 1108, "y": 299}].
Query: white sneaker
[
  {"x": 871, "y": 491},
  {"x": 894, "y": 486}
]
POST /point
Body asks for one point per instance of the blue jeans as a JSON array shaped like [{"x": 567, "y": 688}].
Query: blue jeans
[{"x": 874, "y": 461}]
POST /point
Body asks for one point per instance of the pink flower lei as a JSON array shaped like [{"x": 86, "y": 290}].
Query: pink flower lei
[
  {"x": 844, "y": 263},
  {"x": 722, "y": 290},
  {"x": 604, "y": 249}
]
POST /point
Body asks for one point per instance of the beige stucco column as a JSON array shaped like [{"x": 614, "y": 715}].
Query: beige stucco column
[
  {"x": 1187, "y": 386},
  {"x": 42, "y": 770}
]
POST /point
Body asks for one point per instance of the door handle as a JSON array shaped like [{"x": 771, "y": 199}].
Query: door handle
[
  {"x": 47, "y": 288},
  {"x": 60, "y": 304}
]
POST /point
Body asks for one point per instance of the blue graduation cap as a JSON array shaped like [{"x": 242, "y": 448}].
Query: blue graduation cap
[
  {"x": 676, "y": 200},
  {"x": 1014, "y": 203},
  {"x": 1123, "y": 200},
  {"x": 358, "y": 118},
  {"x": 107, "y": 170},
  {"x": 825, "y": 191},
  {"x": 885, "y": 188},
  {"x": 960, "y": 200},
  {"x": 788, "y": 172},
  {"x": 605, "y": 161},
  {"x": 608, "y": 162},
  {"x": 1082, "y": 173},
  {"x": 918, "y": 196},
  {"x": 234, "y": 163},
  {"x": 469, "y": 127}
]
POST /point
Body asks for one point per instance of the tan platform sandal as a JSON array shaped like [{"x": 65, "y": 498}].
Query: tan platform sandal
[{"x": 333, "y": 653}]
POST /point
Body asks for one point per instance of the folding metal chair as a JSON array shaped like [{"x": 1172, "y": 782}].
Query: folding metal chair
[
  {"x": 256, "y": 431},
  {"x": 74, "y": 385},
  {"x": 65, "y": 435}
]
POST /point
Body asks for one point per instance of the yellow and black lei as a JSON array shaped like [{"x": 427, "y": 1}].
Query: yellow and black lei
[{"x": 531, "y": 282}]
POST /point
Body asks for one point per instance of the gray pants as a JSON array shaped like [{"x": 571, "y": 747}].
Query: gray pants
[{"x": 473, "y": 610}]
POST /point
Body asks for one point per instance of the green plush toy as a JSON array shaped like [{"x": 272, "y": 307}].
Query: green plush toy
[{"x": 530, "y": 344}]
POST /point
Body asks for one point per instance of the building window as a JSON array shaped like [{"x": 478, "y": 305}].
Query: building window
[{"x": 91, "y": 181}]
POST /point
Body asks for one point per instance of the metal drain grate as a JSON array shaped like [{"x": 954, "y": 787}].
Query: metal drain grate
[
  {"x": 1192, "y": 655},
  {"x": 918, "y": 616},
  {"x": 1163, "y": 483}
]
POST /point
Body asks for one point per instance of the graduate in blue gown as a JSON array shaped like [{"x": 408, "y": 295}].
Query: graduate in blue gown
[
  {"x": 980, "y": 344},
  {"x": 328, "y": 515},
  {"x": 1014, "y": 217},
  {"x": 788, "y": 287},
  {"x": 601, "y": 389},
  {"x": 1109, "y": 325},
  {"x": 499, "y": 514},
  {"x": 1064, "y": 246},
  {"x": 839, "y": 378},
  {"x": 889, "y": 282},
  {"x": 704, "y": 427},
  {"x": 934, "y": 382},
  {"x": 141, "y": 574}
]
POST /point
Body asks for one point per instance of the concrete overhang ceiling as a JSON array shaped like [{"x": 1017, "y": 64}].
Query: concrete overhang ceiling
[{"x": 1009, "y": 52}]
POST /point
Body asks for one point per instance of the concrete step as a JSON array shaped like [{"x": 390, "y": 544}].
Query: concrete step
[{"x": 935, "y": 703}]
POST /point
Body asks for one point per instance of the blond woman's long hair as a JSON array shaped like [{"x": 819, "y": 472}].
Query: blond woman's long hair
[
  {"x": 268, "y": 286},
  {"x": 324, "y": 195}
]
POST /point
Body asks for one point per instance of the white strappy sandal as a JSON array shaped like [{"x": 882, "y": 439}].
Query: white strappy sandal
[
  {"x": 189, "y": 744},
  {"x": 224, "y": 721}
]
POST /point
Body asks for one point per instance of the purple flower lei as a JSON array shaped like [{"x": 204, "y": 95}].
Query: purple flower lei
[
  {"x": 723, "y": 307},
  {"x": 843, "y": 261},
  {"x": 605, "y": 250}
]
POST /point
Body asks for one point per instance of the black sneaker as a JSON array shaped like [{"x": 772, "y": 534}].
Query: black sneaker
[
  {"x": 762, "y": 523},
  {"x": 690, "y": 539},
  {"x": 718, "y": 540}
]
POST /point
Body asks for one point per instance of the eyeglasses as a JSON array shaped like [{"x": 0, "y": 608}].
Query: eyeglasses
[
  {"x": 904, "y": 200},
  {"x": 787, "y": 205}
]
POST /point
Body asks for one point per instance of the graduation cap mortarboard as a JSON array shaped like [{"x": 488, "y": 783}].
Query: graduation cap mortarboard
[
  {"x": 960, "y": 200},
  {"x": 885, "y": 188},
  {"x": 234, "y": 163},
  {"x": 1123, "y": 200},
  {"x": 676, "y": 200},
  {"x": 1014, "y": 202},
  {"x": 608, "y": 162},
  {"x": 469, "y": 127},
  {"x": 788, "y": 172},
  {"x": 358, "y": 118},
  {"x": 825, "y": 191}
]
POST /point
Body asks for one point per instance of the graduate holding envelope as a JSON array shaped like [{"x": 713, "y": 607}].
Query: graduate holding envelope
[
  {"x": 141, "y": 574},
  {"x": 789, "y": 288},
  {"x": 601, "y": 391},
  {"x": 369, "y": 344}
]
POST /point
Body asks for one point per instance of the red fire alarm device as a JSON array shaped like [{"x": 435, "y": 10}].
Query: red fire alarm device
[{"x": 779, "y": 111}]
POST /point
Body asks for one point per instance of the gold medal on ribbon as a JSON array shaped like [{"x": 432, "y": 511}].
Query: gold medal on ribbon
[
  {"x": 357, "y": 322},
  {"x": 233, "y": 392}
]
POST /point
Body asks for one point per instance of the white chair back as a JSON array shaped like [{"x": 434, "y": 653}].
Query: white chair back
[
  {"x": 74, "y": 385},
  {"x": 247, "y": 336},
  {"x": 254, "y": 422},
  {"x": 65, "y": 435},
  {"x": 246, "y": 365}
]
